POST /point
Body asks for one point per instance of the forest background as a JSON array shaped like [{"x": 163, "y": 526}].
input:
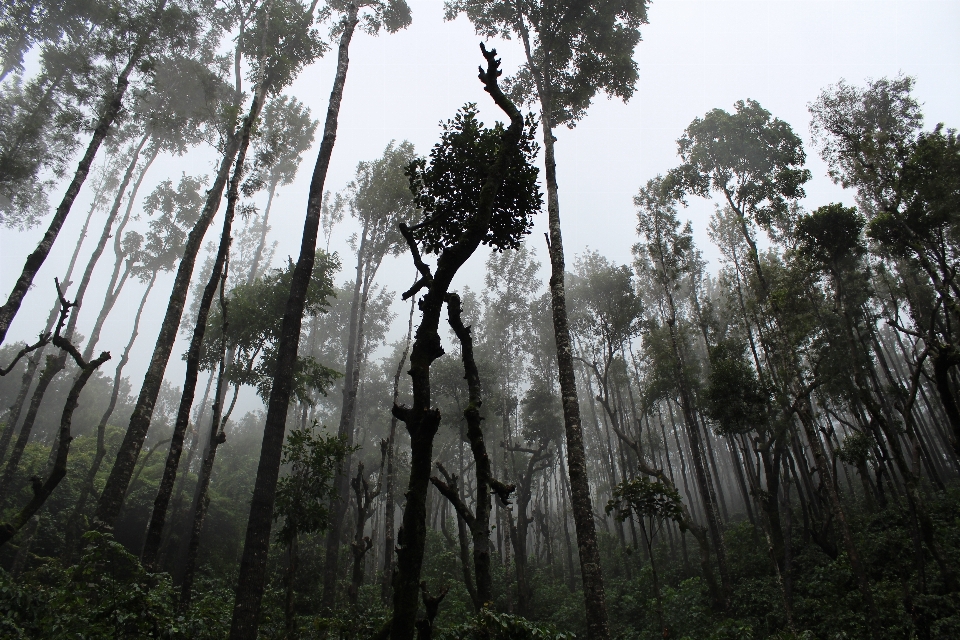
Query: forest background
[{"x": 694, "y": 57}]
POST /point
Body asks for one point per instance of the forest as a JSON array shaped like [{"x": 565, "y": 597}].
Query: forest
[{"x": 753, "y": 436}]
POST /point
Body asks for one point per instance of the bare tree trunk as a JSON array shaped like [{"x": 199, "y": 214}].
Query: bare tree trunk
[
  {"x": 251, "y": 582},
  {"x": 386, "y": 583},
  {"x": 593, "y": 592},
  {"x": 72, "y": 527},
  {"x": 345, "y": 429},
  {"x": 217, "y": 437},
  {"x": 154, "y": 535},
  {"x": 111, "y": 499},
  {"x": 120, "y": 257},
  {"x": 36, "y": 259},
  {"x": 422, "y": 420}
]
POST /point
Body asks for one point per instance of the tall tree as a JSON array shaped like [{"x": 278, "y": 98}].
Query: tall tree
[
  {"x": 393, "y": 17},
  {"x": 479, "y": 187},
  {"x": 154, "y": 27},
  {"x": 379, "y": 199},
  {"x": 573, "y": 51}
]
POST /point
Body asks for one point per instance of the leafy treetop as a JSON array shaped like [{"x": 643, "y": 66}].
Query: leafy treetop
[{"x": 447, "y": 188}]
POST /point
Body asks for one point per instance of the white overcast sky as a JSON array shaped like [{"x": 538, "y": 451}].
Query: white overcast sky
[{"x": 695, "y": 56}]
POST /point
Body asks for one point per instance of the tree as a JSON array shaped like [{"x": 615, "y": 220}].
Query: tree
[
  {"x": 479, "y": 187},
  {"x": 393, "y": 17},
  {"x": 303, "y": 495},
  {"x": 573, "y": 51},
  {"x": 156, "y": 28},
  {"x": 285, "y": 133},
  {"x": 379, "y": 198}
]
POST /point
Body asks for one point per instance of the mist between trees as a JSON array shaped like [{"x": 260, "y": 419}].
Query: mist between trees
[{"x": 766, "y": 448}]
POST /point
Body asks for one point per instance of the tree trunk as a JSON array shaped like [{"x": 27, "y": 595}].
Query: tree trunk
[
  {"x": 386, "y": 582},
  {"x": 593, "y": 592},
  {"x": 200, "y": 498},
  {"x": 59, "y": 362},
  {"x": 258, "y": 254},
  {"x": 111, "y": 499},
  {"x": 345, "y": 430},
  {"x": 151, "y": 545},
  {"x": 72, "y": 527},
  {"x": 251, "y": 582},
  {"x": 113, "y": 288},
  {"x": 36, "y": 259}
]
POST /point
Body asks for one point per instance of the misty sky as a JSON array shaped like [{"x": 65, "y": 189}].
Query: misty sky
[{"x": 695, "y": 56}]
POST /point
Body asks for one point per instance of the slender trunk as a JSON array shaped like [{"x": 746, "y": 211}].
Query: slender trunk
[
  {"x": 252, "y": 579},
  {"x": 258, "y": 254},
  {"x": 36, "y": 259},
  {"x": 120, "y": 257},
  {"x": 704, "y": 482},
  {"x": 389, "y": 507},
  {"x": 344, "y": 430},
  {"x": 361, "y": 544},
  {"x": 648, "y": 541},
  {"x": 217, "y": 437},
  {"x": 151, "y": 545},
  {"x": 58, "y": 363},
  {"x": 571, "y": 573},
  {"x": 72, "y": 527},
  {"x": 593, "y": 592},
  {"x": 143, "y": 464},
  {"x": 111, "y": 500},
  {"x": 53, "y": 366}
]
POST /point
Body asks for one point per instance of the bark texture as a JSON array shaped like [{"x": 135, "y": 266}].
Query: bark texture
[
  {"x": 151, "y": 545},
  {"x": 253, "y": 565},
  {"x": 111, "y": 499}
]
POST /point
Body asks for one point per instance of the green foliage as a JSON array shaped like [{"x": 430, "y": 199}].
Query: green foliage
[
  {"x": 254, "y": 322},
  {"x": 735, "y": 399},
  {"x": 447, "y": 188},
  {"x": 284, "y": 133},
  {"x": 753, "y": 159},
  {"x": 930, "y": 189},
  {"x": 856, "y": 449},
  {"x": 502, "y": 626},
  {"x": 604, "y": 301},
  {"x": 578, "y": 49},
  {"x": 831, "y": 235},
  {"x": 303, "y": 495},
  {"x": 106, "y": 595},
  {"x": 645, "y": 499},
  {"x": 280, "y": 42}
]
